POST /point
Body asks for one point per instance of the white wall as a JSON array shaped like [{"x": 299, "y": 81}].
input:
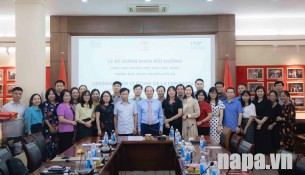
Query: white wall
[{"x": 9, "y": 60}]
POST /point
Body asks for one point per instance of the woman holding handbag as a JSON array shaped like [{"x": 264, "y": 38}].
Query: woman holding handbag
[{"x": 84, "y": 116}]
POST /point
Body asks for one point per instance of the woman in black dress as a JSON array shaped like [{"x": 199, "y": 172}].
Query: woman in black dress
[
  {"x": 104, "y": 114},
  {"x": 262, "y": 136},
  {"x": 274, "y": 126},
  {"x": 172, "y": 110},
  {"x": 287, "y": 125}
]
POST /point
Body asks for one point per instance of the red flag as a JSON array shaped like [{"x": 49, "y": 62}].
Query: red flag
[
  {"x": 227, "y": 78},
  {"x": 62, "y": 71}
]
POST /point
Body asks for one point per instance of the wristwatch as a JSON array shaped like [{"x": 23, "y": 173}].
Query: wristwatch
[
  {"x": 219, "y": 124},
  {"x": 239, "y": 126}
]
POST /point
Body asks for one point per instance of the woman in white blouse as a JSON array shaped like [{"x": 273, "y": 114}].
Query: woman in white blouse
[{"x": 248, "y": 116}]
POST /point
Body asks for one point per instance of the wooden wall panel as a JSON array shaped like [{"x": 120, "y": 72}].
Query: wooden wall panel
[
  {"x": 182, "y": 25},
  {"x": 63, "y": 27},
  {"x": 104, "y": 25}
]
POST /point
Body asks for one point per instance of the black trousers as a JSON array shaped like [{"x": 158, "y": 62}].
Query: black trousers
[
  {"x": 203, "y": 131},
  {"x": 150, "y": 129},
  {"x": 125, "y": 134},
  {"x": 65, "y": 141}
]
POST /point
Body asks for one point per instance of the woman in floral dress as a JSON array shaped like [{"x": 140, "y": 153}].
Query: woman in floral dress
[{"x": 50, "y": 122}]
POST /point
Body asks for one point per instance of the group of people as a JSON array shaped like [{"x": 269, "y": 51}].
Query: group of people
[{"x": 67, "y": 116}]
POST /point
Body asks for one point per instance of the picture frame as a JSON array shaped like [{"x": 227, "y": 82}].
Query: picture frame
[
  {"x": 295, "y": 87},
  {"x": 298, "y": 101},
  {"x": 252, "y": 86},
  {"x": 1, "y": 75},
  {"x": 9, "y": 89},
  {"x": 270, "y": 86},
  {"x": 295, "y": 73},
  {"x": 275, "y": 73},
  {"x": 255, "y": 73},
  {"x": 1, "y": 90},
  {"x": 11, "y": 75}
]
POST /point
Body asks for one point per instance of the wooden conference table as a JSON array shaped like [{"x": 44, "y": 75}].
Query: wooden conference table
[{"x": 132, "y": 155}]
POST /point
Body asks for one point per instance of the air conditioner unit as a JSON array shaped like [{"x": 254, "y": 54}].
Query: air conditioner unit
[{"x": 156, "y": 8}]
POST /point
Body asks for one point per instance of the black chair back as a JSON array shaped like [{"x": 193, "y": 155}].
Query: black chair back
[
  {"x": 3, "y": 168},
  {"x": 5, "y": 154},
  {"x": 41, "y": 143},
  {"x": 300, "y": 166},
  {"x": 295, "y": 158},
  {"x": 225, "y": 138},
  {"x": 234, "y": 143},
  {"x": 33, "y": 156},
  {"x": 245, "y": 148}
]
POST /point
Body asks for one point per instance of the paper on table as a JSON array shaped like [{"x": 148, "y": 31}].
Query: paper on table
[
  {"x": 59, "y": 159},
  {"x": 90, "y": 144},
  {"x": 214, "y": 147},
  {"x": 135, "y": 138}
]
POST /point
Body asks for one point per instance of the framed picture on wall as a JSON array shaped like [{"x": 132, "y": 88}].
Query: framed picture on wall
[
  {"x": 295, "y": 73},
  {"x": 298, "y": 101},
  {"x": 275, "y": 73},
  {"x": 1, "y": 75},
  {"x": 295, "y": 87},
  {"x": 9, "y": 89},
  {"x": 11, "y": 74},
  {"x": 1, "y": 90},
  {"x": 252, "y": 86},
  {"x": 270, "y": 86},
  {"x": 255, "y": 73}
]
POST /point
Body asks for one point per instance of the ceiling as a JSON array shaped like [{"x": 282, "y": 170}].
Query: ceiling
[{"x": 241, "y": 8}]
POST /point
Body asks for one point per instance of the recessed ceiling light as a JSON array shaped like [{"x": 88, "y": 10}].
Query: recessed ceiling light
[
  {"x": 84, "y": 0},
  {"x": 209, "y": 0},
  {"x": 147, "y": 0}
]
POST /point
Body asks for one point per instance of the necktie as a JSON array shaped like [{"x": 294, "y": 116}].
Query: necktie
[{"x": 149, "y": 113}]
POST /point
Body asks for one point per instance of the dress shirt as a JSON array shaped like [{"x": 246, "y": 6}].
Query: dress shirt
[
  {"x": 231, "y": 114},
  {"x": 157, "y": 114},
  {"x": 115, "y": 99},
  {"x": 125, "y": 113},
  {"x": 137, "y": 101},
  {"x": 13, "y": 107},
  {"x": 222, "y": 96},
  {"x": 85, "y": 112},
  {"x": 14, "y": 128},
  {"x": 32, "y": 116}
]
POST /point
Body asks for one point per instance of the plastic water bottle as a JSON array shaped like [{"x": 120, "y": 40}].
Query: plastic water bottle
[
  {"x": 215, "y": 170},
  {"x": 202, "y": 144},
  {"x": 187, "y": 158},
  {"x": 105, "y": 140},
  {"x": 113, "y": 138},
  {"x": 98, "y": 153},
  {"x": 89, "y": 161},
  {"x": 176, "y": 135},
  {"x": 171, "y": 133},
  {"x": 203, "y": 166},
  {"x": 180, "y": 137},
  {"x": 93, "y": 150}
]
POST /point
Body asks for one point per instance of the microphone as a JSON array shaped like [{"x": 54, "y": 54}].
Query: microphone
[
  {"x": 188, "y": 129},
  {"x": 211, "y": 164}
]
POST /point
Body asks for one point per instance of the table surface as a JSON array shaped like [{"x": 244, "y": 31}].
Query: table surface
[{"x": 124, "y": 142}]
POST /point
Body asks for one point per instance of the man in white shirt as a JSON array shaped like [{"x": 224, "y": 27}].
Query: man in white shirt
[
  {"x": 125, "y": 115},
  {"x": 15, "y": 128}
]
